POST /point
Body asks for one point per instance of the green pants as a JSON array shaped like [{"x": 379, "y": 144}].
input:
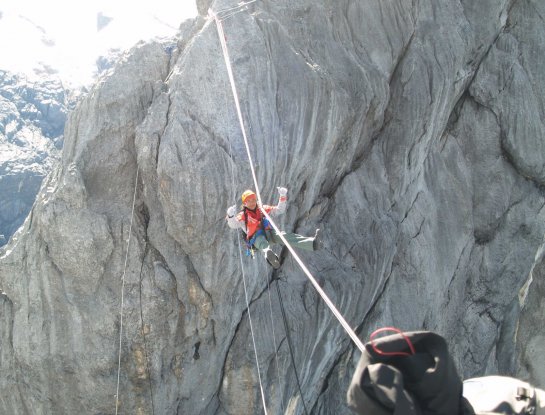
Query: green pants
[{"x": 296, "y": 241}]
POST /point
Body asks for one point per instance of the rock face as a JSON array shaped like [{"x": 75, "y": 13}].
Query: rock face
[
  {"x": 411, "y": 132},
  {"x": 32, "y": 118}
]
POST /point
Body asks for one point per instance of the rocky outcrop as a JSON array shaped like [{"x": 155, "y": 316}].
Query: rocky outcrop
[
  {"x": 32, "y": 118},
  {"x": 411, "y": 132}
]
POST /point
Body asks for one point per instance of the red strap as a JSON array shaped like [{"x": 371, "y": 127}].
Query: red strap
[{"x": 383, "y": 353}]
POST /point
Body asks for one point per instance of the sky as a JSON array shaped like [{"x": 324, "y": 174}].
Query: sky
[{"x": 63, "y": 33}]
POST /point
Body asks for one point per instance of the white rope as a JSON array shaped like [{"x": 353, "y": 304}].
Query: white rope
[
  {"x": 229, "y": 15},
  {"x": 246, "y": 294},
  {"x": 122, "y": 292},
  {"x": 322, "y": 293},
  {"x": 245, "y": 288},
  {"x": 251, "y": 327},
  {"x": 235, "y": 94},
  {"x": 275, "y": 344},
  {"x": 324, "y": 296},
  {"x": 224, "y": 13}
]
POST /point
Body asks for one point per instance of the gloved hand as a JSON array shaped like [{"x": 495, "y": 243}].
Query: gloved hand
[
  {"x": 232, "y": 211},
  {"x": 282, "y": 191}
]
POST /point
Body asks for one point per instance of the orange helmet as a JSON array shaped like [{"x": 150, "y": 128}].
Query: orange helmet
[{"x": 246, "y": 195}]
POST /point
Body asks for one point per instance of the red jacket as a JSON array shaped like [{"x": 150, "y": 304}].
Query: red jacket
[
  {"x": 252, "y": 223},
  {"x": 253, "y": 219}
]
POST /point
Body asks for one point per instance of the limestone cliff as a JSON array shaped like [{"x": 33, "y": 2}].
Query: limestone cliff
[{"x": 411, "y": 132}]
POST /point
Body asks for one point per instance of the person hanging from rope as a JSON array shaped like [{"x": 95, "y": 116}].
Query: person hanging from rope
[{"x": 259, "y": 234}]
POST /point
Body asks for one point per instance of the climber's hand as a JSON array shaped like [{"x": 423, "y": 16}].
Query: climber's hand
[
  {"x": 282, "y": 191},
  {"x": 232, "y": 211}
]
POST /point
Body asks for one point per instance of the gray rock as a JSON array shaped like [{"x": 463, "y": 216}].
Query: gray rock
[
  {"x": 526, "y": 359},
  {"x": 32, "y": 118},
  {"x": 410, "y": 133}
]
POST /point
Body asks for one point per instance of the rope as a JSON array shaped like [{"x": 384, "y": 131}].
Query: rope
[
  {"x": 288, "y": 337},
  {"x": 122, "y": 293},
  {"x": 322, "y": 293},
  {"x": 245, "y": 289},
  {"x": 235, "y": 94},
  {"x": 251, "y": 325},
  {"x": 275, "y": 344},
  {"x": 324, "y": 296},
  {"x": 231, "y": 11}
]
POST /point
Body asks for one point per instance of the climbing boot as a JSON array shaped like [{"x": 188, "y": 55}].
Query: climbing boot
[
  {"x": 271, "y": 258},
  {"x": 318, "y": 242}
]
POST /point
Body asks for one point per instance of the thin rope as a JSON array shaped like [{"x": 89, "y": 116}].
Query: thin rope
[
  {"x": 122, "y": 292},
  {"x": 324, "y": 296},
  {"x": 251, "y": 326},
  {"x": 245, "y": 288},
  {"x": 228, "y": 16},
  {"x": 224, "y": 13},
  {"x": 322, "y": 293},
  {"x": 290, "y": 347},
  {"x": 275, "y": 344},
  {"x": 235, "y": 95}
]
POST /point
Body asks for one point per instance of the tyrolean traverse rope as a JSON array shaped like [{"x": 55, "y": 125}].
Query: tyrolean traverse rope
[
  {"x": 122, "y": 293},
  {"x": 311, "y": 278},
  {"x": 263, "y": 400}
]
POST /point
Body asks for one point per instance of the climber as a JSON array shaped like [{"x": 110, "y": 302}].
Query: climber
[{"x": 259, "y": 234}]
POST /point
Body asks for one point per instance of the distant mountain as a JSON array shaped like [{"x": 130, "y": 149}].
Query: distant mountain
[
  {"x": 32, "y": 118},
  {"x": 102, "y": 21}
]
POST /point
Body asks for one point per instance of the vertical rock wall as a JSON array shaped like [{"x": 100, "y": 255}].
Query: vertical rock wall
[{"x": 411, "y": 132}]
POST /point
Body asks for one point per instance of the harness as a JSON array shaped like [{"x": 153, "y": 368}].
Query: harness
[{"x": 264, "y": 222}]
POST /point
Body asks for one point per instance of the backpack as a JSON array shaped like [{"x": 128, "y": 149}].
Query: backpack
[
  {"x": 406, "y": 374},
  {"x": 413, "y": 373}
]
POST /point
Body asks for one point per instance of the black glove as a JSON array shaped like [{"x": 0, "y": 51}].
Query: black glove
[{"x": 391, "y": 380}]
